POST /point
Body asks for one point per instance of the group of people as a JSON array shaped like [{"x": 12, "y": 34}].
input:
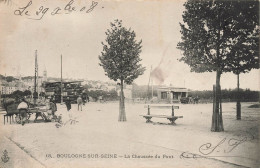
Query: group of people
[{"x": 80, "y": 102}]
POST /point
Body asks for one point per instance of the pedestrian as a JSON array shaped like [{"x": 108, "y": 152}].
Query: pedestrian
[
  {"x": 79, "y": 102},
  {"x": 46, "y": 115},
  {"x": 53, "y": 109},
  {"x": 190, "y": 100},
  {"x": 68, "y": 104},
  {"x": 53, "y": 105}
]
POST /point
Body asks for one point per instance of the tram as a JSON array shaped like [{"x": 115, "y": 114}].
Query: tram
[{"x": 70, "y": 89}]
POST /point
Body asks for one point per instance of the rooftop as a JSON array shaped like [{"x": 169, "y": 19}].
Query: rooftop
[{"x": 175, "y": 89}]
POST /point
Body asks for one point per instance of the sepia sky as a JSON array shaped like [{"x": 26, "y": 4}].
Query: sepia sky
[{"x": 78, "y": 35}]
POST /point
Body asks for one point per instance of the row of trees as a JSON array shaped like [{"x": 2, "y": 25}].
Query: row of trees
[
  {"x": 228, "y": 95},
  {"x": 220, "y": 36},
  {"x": 18, "y": 93}
]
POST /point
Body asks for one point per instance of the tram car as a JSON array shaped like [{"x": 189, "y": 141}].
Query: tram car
[{"x": 69, "y": 89}]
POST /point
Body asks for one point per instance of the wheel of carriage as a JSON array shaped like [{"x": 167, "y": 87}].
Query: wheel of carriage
[
  {"x": 28, "y": 116},
  {"x": 18, "y": 119},
  {"x": 22, "y": 116}
]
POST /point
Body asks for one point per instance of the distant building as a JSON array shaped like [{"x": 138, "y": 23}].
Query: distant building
[
  {"x": 8, "y": 88},
  {"x": 29, "y": 84},
  {"x": 171, "y": 94}
]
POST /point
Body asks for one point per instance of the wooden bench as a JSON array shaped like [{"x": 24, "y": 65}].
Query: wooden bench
[{"x": 172, "y": 117}]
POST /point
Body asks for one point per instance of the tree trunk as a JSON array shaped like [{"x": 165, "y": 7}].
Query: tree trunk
[
  {"x": 238, "y": 100},
  {"x": 217, "y": 122},
  {"x": 122, "y": 115}
]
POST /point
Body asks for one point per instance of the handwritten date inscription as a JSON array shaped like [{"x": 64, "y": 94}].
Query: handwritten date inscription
[{"x": 39, "y": 13}]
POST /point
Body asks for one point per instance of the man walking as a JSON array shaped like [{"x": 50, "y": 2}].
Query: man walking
[
  {"x": 68, "y": 104},
  {"x": 79, "y": 102}
]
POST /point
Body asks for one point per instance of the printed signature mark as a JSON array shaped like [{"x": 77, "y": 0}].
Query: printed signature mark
[{"x": 226, "y": 145}]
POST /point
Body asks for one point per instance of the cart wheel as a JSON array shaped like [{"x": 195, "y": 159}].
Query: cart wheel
[{"x": 18, "y": 119}]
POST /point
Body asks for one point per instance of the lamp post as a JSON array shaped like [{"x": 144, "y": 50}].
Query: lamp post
[{"x": 35, "y": 94}]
